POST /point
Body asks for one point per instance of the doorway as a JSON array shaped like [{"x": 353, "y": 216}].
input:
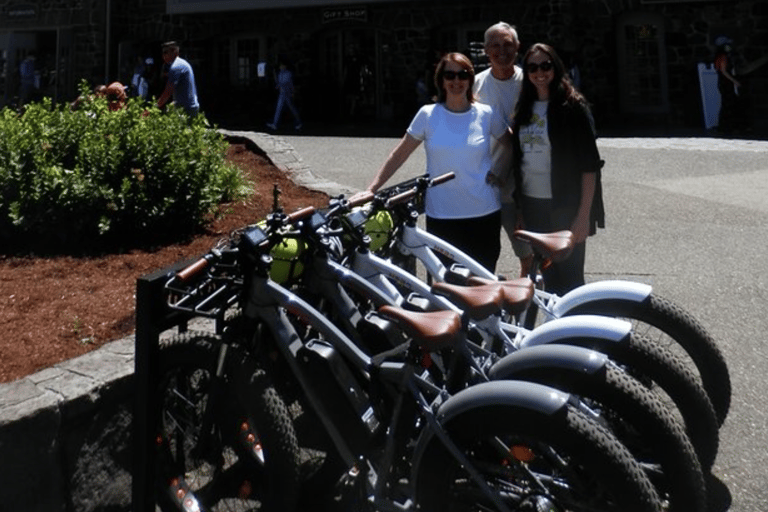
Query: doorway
[
  {"x": 642, "y": 64},
  {"x": 349, "y": 73},
  {"x": 46, "y": 57}
]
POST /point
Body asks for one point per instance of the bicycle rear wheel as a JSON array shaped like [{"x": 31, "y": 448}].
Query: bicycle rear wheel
[{"x": 224, "y": 444}]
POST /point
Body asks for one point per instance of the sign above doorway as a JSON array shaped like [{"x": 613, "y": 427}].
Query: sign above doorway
[{"x": 345, "y": 14}]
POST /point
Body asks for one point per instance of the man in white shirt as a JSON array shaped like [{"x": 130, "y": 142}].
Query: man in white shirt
[{"x": 499, "y": 86}]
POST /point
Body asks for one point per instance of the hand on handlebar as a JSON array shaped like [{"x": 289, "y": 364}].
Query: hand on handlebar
[{"x": 360, "y": 197}]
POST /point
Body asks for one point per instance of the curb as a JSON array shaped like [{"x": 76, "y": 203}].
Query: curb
[
  {"x": 285, "y": 158},
  {"x": 65, "y": 431}
]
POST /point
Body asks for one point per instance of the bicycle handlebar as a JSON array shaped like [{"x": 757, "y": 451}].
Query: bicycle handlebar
[
  {"x": 364, "y": 198},
  {"x": 203, "y": 263},
  {"x": 192, "y": 270},
  {"x": 437, "y": 180},
  {"x": 399, "y": 187},
  {"x": 421, "y": 185},
  {"x": 298, "y": 215}
]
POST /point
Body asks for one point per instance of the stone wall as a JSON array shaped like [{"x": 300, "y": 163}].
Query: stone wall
[
  {"x": 585, "y": 27},
  {"x": 412, "y": 32},
  {"x": 65, "y": 435}
]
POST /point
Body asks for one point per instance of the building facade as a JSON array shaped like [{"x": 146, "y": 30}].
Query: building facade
[{"x": 360, "y": 61}]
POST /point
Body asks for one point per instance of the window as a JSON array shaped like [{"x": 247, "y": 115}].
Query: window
[
  {"x": 246, "y": 61},
  {"x": 642, "y": 64}
]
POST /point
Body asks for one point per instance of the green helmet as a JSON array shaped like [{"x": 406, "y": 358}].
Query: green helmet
[
  {"x": 286, "y": 260},
  {"x": 379, "y": 227}
]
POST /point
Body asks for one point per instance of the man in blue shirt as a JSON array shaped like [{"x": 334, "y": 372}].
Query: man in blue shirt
[{"x": 181, "y": 81}]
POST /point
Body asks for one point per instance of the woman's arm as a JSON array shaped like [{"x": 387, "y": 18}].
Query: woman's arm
[
  {"x": 396, "y": 159},
  {"x": 580, "y": 226}
]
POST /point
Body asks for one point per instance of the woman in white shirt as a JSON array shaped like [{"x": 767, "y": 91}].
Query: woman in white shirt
[{"x": 457, "y": 133}]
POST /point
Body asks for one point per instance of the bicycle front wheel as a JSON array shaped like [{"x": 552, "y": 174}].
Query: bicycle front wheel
[
  {"x": 563, "y": 461},
  {"x": 639, "y": 420},
  {"x": 226, "y": 442},
  {"x": 669, "y": 325}
]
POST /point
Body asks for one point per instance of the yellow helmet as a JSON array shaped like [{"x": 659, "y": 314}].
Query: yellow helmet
[
  {"x": 287, "y": 263},
  {"x": 379, "y": 227},
  {"x": 286, "y": 260}
]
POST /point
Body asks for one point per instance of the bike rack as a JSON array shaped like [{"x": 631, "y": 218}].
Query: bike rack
[{"x": 153, "y": 316}]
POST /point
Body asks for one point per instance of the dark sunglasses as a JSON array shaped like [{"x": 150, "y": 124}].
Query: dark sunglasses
[
  {"x": 533, "y": 67},
  {"x": 461, "y": 75}
]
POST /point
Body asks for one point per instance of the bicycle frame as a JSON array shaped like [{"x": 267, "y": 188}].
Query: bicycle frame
[
  {"x": 410, "y": 240},
  {"x": 383, "y": 273}
]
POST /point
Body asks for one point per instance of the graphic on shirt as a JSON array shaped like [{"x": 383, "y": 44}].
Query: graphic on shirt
[{"x": 532, "y": 136}]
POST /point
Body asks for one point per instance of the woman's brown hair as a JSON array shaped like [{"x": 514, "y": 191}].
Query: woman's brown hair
[{"x": 461, "y": 60}]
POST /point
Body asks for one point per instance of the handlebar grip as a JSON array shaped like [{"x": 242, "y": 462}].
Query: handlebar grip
[
  {"x": 437, "y": 180},
  {"x": 193, "y": 269},
  {"x": 366, "y": 197},
  {"x": 401, "y": 197},
  {"x": 300, "y": 214}
]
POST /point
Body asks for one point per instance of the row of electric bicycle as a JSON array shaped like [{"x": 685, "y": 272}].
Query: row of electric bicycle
[{"x": 361, "y": 363}]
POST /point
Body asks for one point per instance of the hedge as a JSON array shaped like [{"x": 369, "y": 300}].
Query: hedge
[{"x": 84, "y": 176}]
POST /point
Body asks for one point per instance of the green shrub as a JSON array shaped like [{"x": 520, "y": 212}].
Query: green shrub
[{"x": 89, "y": 178}]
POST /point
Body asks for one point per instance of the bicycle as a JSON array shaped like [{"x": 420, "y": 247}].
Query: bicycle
[
  {"x": 651, "y": 315},
  {"x": 391, "y": 424}
]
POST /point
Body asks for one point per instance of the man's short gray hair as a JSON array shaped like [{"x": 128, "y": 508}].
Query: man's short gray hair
[{"x": 500, "y": 27}]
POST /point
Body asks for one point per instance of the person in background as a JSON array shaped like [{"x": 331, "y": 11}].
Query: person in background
[
  {"x": 729, "y": 87},
  {"x": 116, "y": 96},
  {"x": 457, "y": 133},
  {"x": 499, "y": 87},
  {"x": 181, "y": 85},
  {"x": 138, "y": 72},
  {"x": 285, "y": 88},
  {"x": 99, "y": 91},
  {"x": 422, "y": 87},
  {"x": 556, "y": 162},
  {"x": 29, "y": 82}
]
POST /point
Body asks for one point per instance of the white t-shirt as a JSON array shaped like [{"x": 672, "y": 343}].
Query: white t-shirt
[
  {"x": 501, "y": 95},
  {"x": 459, "y": 142},
  {"x": 536, "y": 165}
]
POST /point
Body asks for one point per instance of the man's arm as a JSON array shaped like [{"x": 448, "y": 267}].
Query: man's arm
[{"x": 166, "y": 95}]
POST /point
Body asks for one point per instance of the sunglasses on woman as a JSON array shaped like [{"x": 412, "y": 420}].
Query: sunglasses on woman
[
  {"x": 461, "y": 75},
  {"x": 545, "y": 66}
]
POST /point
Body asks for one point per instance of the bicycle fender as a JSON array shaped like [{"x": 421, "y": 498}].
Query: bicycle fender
[
  {"x": 522, "y": 394},
  {"x": 601, "y": 290},
  {"x": 553, "y": 357},
  {"x": 578, "y": 326},
  {"x": 499, "y": 393}
]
